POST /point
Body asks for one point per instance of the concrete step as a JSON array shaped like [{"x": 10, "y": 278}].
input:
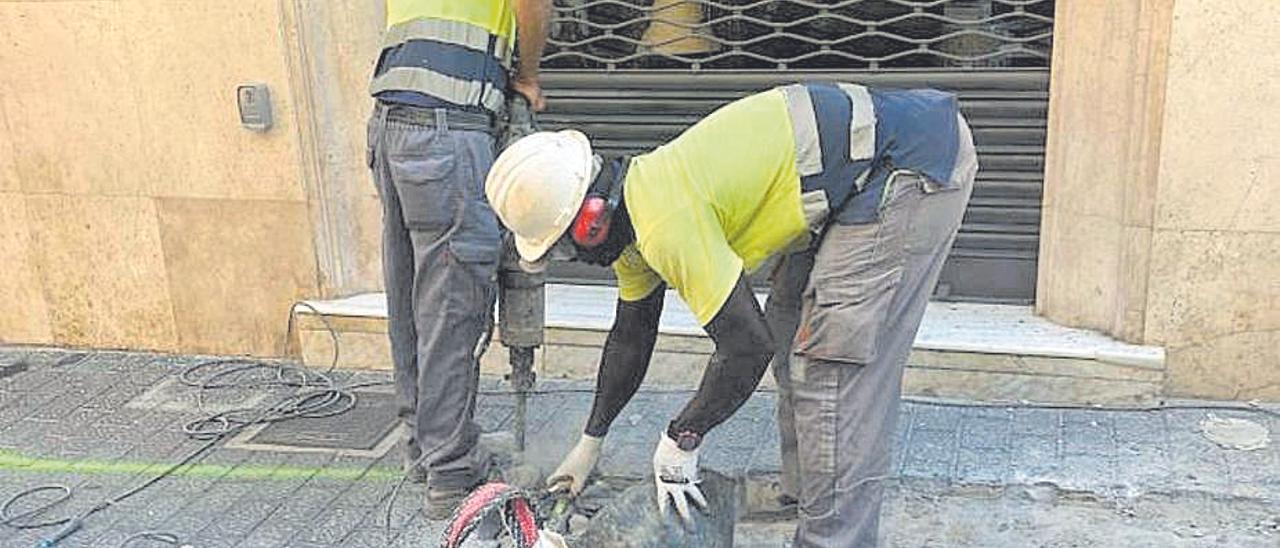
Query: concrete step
[{"x": 968, "y": 351}]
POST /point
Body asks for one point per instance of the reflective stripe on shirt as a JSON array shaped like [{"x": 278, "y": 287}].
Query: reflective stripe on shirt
[{"x": 457, "y": 52}]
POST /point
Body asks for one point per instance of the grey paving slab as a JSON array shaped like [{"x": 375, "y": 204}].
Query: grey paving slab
[
  {"x": 420, "y": 533},
  {"x": 942, "y": 469},
  {"x": 936, "y": 418},
  {"x": 369, "y": 493},
  {"x": 768, "y": 459},
  {"x": 202, "y": 509},
  {"x": 333, "y": 525},
  {"x": 246, "y": 514},
  {"x": 364, "y": 538},
  {"x": 298, "y": 518},
  {"x": 24, "y": 406},
  {"x": 551, "y": 413},
  {"x": 405, "y": 508},
  {"x": 1088, "y": 438},
  {"x": 1143, "y": 468},
  {"x": 931, "y": 453},
  {"x": 1085, "y": 472},
  {"x": 304, "y": 504},
  {"x": 494, "y": 413},
  {"x": 731, "y": 460},
  {"x": 986, "y": 429},
  {"x": 753, "y": 425},
  {"x": 983, "y": 466},
  {"x": 645, "y": 417},
  {"x": 627, "y": 459},
  {"x": 1035, "y": 459},
  {"x": 1037, "y": 422}
]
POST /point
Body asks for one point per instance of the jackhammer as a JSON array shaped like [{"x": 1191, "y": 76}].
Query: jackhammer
[
  {"x": 521, "y": 301},
  {"x": 521, "y": 294}
]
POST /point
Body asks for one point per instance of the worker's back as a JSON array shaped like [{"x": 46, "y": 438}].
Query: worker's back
[
  {"x": 446, "y": 54},
  {"x": 722, "y": 197},
  {"x": 758, "y": 175}
]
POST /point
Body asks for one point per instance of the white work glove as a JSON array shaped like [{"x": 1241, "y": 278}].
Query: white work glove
[
  {"x": 572, "y": 473},
  {"x": 675, "y": 471},
  {"x": 549, "y": 539}
]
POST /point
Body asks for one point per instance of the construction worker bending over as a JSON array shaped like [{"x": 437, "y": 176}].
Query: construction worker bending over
[
  {"x": 863, "y": 189},
  {"x": 441, "y": 83}
]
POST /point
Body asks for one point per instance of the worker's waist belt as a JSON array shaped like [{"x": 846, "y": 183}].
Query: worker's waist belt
[{"x": 436, "y": 117}]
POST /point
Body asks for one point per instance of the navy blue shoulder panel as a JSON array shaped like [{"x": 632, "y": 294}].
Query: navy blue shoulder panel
[
  {"x": 915, "y": 130},
  {"x": 834, "y": 112},
  {"x": 448, "y": 59},
  {"x": 920, "y": 131}
]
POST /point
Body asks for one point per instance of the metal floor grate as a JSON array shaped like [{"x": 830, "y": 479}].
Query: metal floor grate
[{"x": 363, "y": 428}]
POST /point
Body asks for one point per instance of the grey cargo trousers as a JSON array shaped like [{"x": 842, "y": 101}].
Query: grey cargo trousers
[
  {"x": 845, "y": 314},
  {"x": 440, "y": 248}
]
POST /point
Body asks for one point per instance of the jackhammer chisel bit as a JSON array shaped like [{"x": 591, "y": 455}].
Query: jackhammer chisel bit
[
  {"x": 521, "y": 296},
  {"x": 521, "y": 301}
]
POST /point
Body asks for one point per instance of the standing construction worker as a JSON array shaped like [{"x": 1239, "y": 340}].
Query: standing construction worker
[
  {"x": 441, "y": 85},
  {"x": 863, "y": 190}
]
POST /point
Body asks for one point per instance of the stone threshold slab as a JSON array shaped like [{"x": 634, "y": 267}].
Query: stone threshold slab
[{"x": 947, "y": 327}]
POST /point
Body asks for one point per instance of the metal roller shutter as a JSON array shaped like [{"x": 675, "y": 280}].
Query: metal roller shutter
[{"x": 628, "y": 106}]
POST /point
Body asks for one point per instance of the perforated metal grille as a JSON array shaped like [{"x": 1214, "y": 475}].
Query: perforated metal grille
[{"x": 702, "y": 35}]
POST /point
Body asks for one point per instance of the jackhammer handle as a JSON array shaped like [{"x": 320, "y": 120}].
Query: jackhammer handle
[{"x": 520, "y": 119}]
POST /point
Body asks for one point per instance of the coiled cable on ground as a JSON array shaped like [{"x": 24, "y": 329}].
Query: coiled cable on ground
[
  {"x": 309, "y": 394},
  {"x": 160, "y": 537}
]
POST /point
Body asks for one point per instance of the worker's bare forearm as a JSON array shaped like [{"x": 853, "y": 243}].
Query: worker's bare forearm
[
  {"x": 532, "y": 23},
  {"x": 625, "y": 361},
  {"x": 744, "y": 347}
]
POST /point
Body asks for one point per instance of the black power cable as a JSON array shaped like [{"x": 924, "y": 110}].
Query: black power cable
[
  {"x": 313, "y": 395},
  {"x": 155, "y": 537}
]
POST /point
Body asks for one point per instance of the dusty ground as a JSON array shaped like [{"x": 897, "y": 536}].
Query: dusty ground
[{"x": 923, "y": 515}]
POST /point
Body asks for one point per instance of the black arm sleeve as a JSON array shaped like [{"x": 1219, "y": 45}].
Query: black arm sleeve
[
  {"x": 625, "y": 361},
  {"x": 744, "y": 347}
]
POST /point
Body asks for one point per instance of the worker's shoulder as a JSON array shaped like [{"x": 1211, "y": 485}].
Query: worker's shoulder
[
  {"x": 915, "y": 96},
  {"x": 752, "y": 109}
]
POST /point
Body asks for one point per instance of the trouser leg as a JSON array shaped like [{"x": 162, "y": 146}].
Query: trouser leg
[
  {"x": 437, "y": 177},
  {"x": 782, "y": 311},
  {"x": 450, "y": 323},
  {"x": 867, "y": 296},
  {"x": 397, "y": 272},
  {"x": 454, "y": 289}
]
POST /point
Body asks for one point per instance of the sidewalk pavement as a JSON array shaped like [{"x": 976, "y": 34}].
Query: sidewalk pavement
[{"x": 104, "y": 421}]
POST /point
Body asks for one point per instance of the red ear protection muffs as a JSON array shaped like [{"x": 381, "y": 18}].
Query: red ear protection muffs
[{"x": 591, "y": 226}]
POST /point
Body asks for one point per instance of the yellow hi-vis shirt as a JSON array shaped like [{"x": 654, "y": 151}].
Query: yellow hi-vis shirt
[
  {"x": 496, "y": 16},
  {"x": 720, "y": 199}
]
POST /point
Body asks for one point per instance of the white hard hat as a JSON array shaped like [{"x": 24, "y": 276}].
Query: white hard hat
[{"x": 537, "y": 186}]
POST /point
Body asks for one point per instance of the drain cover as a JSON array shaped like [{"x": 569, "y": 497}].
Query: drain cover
[{"x": 360, "y": 429}]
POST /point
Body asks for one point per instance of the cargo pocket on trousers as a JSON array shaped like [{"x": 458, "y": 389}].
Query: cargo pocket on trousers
[
  {"x": 429, "y": 197},
  {"x": 481, "y": 256},
  {"x": 477, "y": 243},
  {"x": 844, "y": 323},
  {"x": 473, "y": 265},
  {"x": 854, "y": 279}
]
